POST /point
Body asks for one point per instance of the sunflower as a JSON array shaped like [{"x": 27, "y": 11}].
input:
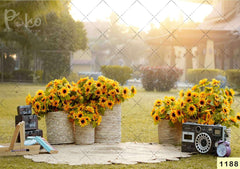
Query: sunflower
[
  {"x": 203, "y": 81},
  {"x": 44, "y": 108},
  {"x": 216, "y": 97},
  {"x": 215, "y": 82},
  {"x": 82, "y": 122},
  {"x": 49, "y": 84},
  {"x": 56, "y": 103},
  {"x": 202, "y": 102},
  {"x": 117, "y": 90},
  {"x": 89, "y": 109},
  {"x": 125, "y": 92},
  {"x": 40, "y": 93},
  {"x": 195, "y": 95},
  {"x": 188, "y": 99},
  {"x": 156, "y": 118},
  {"x": 168, "y": 102},
  {"x": 66, "y": 107},
  {"x": 191, "y": 110},
  {"x": 153, "y": 112},
  {"x": 99, "y": 84},
  {"x": 232, "y": 92},
  {"x": 216, "y": 103},
  {"x": 162, "y": 110},
  {"x": 37, "y": 106},
  {"x": 98, "y": 92},
  {"x": 172, "y": 98},
  {"x": 158, "y": 102},
  {"x": 188, "y": 93},
  {"x": 211, "y": 122},
  {"x": 233, "y": 119},
  {"x": 133, "y": 90},
  {"x": 89, "y": 82},
  {"x": 230, "y": 99},
  {"x": 117, "y": 100},
  {"x": 194, "y": 87},
  {"x": 44, "y": 99},
  {"x": 226, "y": 92},
  {"x": 64, "y": 92},
  {"x": 182, "y": 103},
  {"x": 87, "y": 90},
  {"x": 102, "y": 101},
  {"x": 225, "y": 110},
  {"x": 28, "y": 99},
  {"x": 173, "y": 116},
  {"x": 112, "y": 93},
  {"x": 99, "y": 120},
  {"x": 110, "y": 104},
  {"x": 238, "y": 116},
  {"x": 181, "y": 93},
  {"x": 202, "y": 95},
  {"x": 179, "y": 113}
]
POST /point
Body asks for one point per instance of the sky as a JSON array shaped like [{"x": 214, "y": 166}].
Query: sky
[{"x": 138, "y": 13}]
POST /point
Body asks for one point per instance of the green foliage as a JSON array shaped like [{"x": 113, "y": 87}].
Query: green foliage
[
  {"x": 23, "y": 75},
  {"x": 195, "y": 75},
  {"x": 118, "y": 73},
  {"x": 38, "y": 76},
  {"x": 233, "y": 78},
  {"x": 160, "y": 78}
]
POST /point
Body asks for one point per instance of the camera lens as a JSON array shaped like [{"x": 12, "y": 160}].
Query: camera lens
[{"x": 198, "y": 129}]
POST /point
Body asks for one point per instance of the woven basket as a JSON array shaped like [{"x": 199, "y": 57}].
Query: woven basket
[
  {"x": 168, "y": 134},
  {"x": 84, "y": 135},
  {"x": 59, "y": 128},
  {"x": 109, "y": 131}
]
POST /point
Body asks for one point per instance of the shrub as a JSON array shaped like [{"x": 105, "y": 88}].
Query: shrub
[
  {"x": 160, "y": 78},
  {"x": 118, "y": 73},
  {"x": 195, "y": 75},
  {"x": 233, "y": 78},
  {"x": 23, "y": 75}
]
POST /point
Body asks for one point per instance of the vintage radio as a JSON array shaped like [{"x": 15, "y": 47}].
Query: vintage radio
[
  {"x": 31, "y": 121},
  {"x": 202, "y": 138},
  {"x": 24, "y": 110}
]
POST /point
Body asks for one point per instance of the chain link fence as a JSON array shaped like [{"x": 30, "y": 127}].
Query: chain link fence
[{"x": 193, "y": 38}]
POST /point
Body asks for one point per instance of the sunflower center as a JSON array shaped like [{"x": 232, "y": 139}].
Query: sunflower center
[
  {"x": 80, "y": 115},
  {"x": 64, "y": 91},
  {"x": 173, "y": 115},
  {"x": 191, "y": 108},
  {"x": 82, "y": 121}
]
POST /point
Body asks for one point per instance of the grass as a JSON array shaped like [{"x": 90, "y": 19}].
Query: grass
[{"x": 137, "y": 126}]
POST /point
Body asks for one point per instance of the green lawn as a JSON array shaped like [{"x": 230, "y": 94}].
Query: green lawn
[{"x": 137, "y": 126}]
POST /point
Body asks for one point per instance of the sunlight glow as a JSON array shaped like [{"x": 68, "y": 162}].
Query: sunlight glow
[{"x": 140, "y": 13}]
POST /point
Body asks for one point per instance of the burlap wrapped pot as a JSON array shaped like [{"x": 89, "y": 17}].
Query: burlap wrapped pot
[
  {"x": 168, "y": 134},
  {"x": 84, "y": 135},
  {"x": 109, "y": 131},
  {"x": 59, "y": 128}
]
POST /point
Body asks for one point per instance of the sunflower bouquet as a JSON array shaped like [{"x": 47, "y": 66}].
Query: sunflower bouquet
[
  {"x": 58, "y": 96},
  {"x": 84, "y": 101},
  {"x": 205, "y": 103}
]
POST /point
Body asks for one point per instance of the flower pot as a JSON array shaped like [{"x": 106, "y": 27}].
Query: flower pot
[
  {"x": 84, "y": 135},
  {"x": 168, "y": 134},
  {"x": 59, "y": 128},
  {"x": 109, "y": 131}
]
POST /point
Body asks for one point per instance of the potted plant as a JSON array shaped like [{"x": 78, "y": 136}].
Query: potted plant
[
  {"x": 104, "y": 96},
  {"x": 204, "y": 103},
  {"x": 54, "y": 103}
]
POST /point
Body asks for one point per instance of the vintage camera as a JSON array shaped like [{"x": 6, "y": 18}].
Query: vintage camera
[
  {"x": 24, "y": 110},
  {"x": 202, "y": 138},
  {"x": 31, "y": 121}
]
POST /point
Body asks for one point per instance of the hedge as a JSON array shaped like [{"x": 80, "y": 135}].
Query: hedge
[
  {"x": 118, "y": 73},
  {"x": 23, "y": 75},
  {"x": 195, "y": 75},
  {"x": 233, "y": 78},
  {"x": 160, "y": 78}
]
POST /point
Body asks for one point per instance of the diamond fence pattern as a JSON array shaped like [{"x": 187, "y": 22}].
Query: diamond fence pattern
[{"x": 109, "y": 45}]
